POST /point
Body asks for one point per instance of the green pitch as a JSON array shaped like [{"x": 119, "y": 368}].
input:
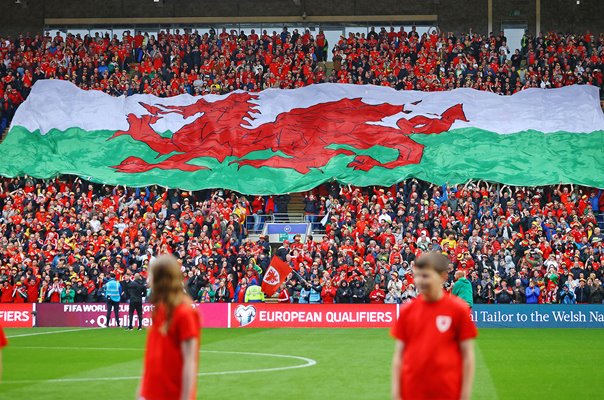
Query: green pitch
[{"x": 295, "y": 364}]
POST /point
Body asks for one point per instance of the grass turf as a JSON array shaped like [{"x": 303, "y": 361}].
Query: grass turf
[{"x": 350, "y": 363}]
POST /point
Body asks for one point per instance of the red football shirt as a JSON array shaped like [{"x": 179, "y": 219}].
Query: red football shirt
[
  {"x": 162, "y": 377},
  {"x": 431, "y": 331},
  {"x": 3, "y": 340}
]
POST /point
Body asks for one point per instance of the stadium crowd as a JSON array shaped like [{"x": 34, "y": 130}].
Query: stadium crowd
[
  {"x": 61, "y": 239},
  {"x": 218, "y": 62}
]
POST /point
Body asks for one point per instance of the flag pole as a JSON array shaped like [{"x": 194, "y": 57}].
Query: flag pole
[{"x": 299, "y": 276}]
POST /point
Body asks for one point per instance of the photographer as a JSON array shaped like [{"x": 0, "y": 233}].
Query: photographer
[
  {"x": 567, "y": 296},
  {"x": 206, "y": 294}
]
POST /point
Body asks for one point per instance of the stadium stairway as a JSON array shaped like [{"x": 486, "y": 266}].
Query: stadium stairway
[
  {"x": 600, "y": 219},
  {"x": 296, "y": 203},
  {"x": 328, "y": 68}
]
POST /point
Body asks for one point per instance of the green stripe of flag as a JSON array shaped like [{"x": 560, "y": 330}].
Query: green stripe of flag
[{"x": 526, "y": 158}]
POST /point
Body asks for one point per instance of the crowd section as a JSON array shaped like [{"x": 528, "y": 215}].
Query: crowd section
[
  {"x": 175, "y": 62},
  {"x": 62, "y": 240}
]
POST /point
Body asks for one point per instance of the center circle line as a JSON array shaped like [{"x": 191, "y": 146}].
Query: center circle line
[{"x": 308, "y": 362}]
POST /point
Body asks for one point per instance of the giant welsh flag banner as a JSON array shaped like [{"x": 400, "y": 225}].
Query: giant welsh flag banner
[{"x": 280, "y": 141}]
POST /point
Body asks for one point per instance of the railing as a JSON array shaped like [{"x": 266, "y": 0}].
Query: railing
[
  {"x": 255, "y": 223},
  {"x": 218, "y": 22}
]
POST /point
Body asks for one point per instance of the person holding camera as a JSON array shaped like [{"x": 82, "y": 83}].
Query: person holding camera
[{"x": 567, "y": 296}]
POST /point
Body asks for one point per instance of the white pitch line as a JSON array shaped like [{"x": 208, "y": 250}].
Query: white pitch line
[
  {"x": 308, "y": 362},
  {"x": 77, "y": 348},
  {"x": 50, "y": 332}
]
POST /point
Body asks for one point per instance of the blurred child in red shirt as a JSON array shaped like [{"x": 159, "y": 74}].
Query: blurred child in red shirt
[
  {"x": 434, "y": 351},
  {"x": 172, "y": 351},
  {"x": 3, "y": 343}
]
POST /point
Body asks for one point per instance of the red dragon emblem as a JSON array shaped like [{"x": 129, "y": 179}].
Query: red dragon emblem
[
  {"x": 300, "y": 139},
  {"x": 272, "y": 276}
]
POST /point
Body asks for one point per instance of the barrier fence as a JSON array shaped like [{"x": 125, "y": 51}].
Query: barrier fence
[{"x": 259, "y": 315}]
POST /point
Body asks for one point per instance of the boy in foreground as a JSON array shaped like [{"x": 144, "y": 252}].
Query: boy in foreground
[{"x": 434, "y": 350}]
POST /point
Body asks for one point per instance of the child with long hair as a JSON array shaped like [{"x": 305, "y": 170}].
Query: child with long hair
[
  {"x": 171, "y": 354},
  {"x": 3, "y": 343}
]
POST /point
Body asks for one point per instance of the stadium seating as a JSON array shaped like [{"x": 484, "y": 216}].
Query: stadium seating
[
  {"x": 71, "y": 230},
  {"x": 219, "y": 62},
  {"x": 67, "y": 230}
]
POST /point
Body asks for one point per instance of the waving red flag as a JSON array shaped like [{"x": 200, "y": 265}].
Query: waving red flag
[{"x": 275, "y": 275}]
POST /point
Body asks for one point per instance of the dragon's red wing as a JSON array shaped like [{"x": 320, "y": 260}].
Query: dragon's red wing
[
  {"x": 153, "y": 110},
  {"x": 428, "y": 125},
  {"x": 346, "y": 112},
  {"x": 237, "y": 105},
  {"x": 140, "y": 129},
  {"x": 327, "y": 123}
]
